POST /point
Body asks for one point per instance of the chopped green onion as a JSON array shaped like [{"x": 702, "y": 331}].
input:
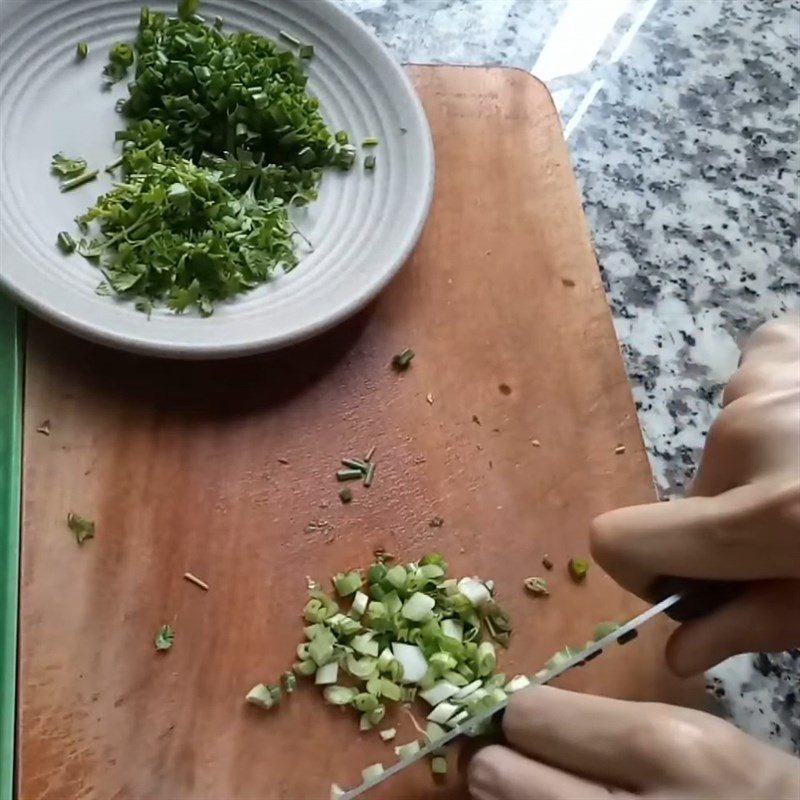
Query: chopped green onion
[
  {"x": 458, "y": 718},
  {"x": 603, "y": 629},
  {"x": 442, "y": 713},
  {"x": 306, "y": 51},
  {"x": 537, "y": 586},
  {"x": 369, "y": 476},
  {"x": 376, "y": 715},
  {"x": 81, "y": 51},
  {"x": 453, "y": 629},
  {"x": 305, "y": 668},
  {"x": 66, "y": 167},
  {"x": 497, "y": 681},
  {"x": 388, "y": 734},
  {"x": 433, "y": 732},
  {"x": 464, "y": 693},
  {"x": 65, "y": 242},
  {"x": 187, "y": 8},
  {"x": 390, "y": 690},
  {"x": 263, "y": 696},
  {"x": 327, "y": 674},
  {"x": 516, "y": 683},
  {"x": 360, "y": 602},
  {"x": 365, "y": 702},
  {"x": 439, "y": 765},
  {"x": 369, "y": 141},
  {"x": 413, "y": 660},
  {"x": 287, "y": 37},
  {"x": 289, "y": 682},
  {"x": 578, "y": 567},
  {"x": 369, "y": 163},
  {"x": 405, "y": 751},
  {"x": 345, "y": 495},
  {"x": 164, "y": 638},
  {"x": 364, "y": 724},
  {"x": 342, "y": 138},
  {"x": 370, "y": 453},
  {"x": 373, "y": 771},
  {"x": 362, "y": 668},
  {"x": 487, "y": 658},
  {"x": 455, "y": 678},
  {"x": 339, "y": 695},
  {"x": 401, "y": 361},
  {"x": 355, "y": 463},
  {"x": 418, "y": 607},
  {"x": 349, "y": 475},
  {"x": 475, "y": 591},
  {"x": 347, "y": 584},
  {"x": 366, "y": 644},
  {"x": 74, "y": 183},
  {"x": 441, "y": 691}
]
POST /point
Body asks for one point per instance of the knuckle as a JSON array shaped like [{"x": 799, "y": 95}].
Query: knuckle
[{"x": 662, "y": 739}]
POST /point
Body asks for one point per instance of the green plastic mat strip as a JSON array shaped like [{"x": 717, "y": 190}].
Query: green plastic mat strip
[{"x": 10, "y": 487}]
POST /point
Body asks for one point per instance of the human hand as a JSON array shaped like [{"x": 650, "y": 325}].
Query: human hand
[
  {"x": 741, "y": 520},
  {"x": 569, "y": 746}
]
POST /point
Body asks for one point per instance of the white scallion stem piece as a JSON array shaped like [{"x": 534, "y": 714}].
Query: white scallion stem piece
[
  {"x": 516, "y": 683},
  {"x": 442, "y": 691},
  {"x": 413, "y": 660},
  {"x": 360, "y": 602},
  {"x": 418, "y": 607},
  {"x": 458, "y": 718},
  {"x": 327, "y": 674},
  {"x": 371, "y": 772},
  {"x": 453, "y": 629},
  {"x": 404, "y": 751},
  {"x": 442, "y": 713},
  {"x": 475, "y": 591},
  {"x": 388, "y": 734},
  {"x": 467, "y": 690}
]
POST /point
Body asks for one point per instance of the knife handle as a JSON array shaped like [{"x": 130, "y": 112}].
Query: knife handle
[{"x": 700, "y": 597}]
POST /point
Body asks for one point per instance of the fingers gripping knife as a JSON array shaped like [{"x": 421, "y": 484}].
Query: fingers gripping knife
[{"x": 681, "y": 599}]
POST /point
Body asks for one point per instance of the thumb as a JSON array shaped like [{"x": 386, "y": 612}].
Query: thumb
[{"x": 766, "y": 618}]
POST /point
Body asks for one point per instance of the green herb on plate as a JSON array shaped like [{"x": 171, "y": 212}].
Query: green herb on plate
[
  {"x": 82, "y": 528},
  {"x": 164, "y": 638}
]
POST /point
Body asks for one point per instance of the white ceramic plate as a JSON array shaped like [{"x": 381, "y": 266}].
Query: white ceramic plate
[{"x": 362, "y": 227}]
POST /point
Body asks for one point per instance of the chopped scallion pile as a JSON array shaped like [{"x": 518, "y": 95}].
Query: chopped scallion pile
[{"x": 221, "y": 138}]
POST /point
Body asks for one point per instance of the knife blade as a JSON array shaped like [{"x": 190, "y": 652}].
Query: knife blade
[{"x": 623, "y": 634}]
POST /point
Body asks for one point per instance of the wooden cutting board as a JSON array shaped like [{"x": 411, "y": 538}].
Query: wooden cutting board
[{"x": 506, "y": 425}]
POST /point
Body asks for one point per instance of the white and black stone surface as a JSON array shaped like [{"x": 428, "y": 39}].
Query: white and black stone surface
[{"x": 682, "y": 120}]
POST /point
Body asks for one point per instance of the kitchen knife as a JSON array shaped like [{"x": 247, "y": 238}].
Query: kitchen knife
[{"x": 621, "y": 635}]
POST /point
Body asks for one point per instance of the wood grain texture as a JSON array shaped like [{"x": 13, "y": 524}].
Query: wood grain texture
[{"x": 178, "y": 464}]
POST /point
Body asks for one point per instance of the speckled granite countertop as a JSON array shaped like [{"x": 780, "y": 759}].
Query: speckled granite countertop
[{"x": 682, "y": 119}]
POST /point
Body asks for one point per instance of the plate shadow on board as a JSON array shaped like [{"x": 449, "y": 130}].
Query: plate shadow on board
[{"x": 203, "y": 389}]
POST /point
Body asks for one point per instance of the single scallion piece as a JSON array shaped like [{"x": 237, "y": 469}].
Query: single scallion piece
[
  {"x": 80, "y": 526},
  {"x": 287, "y": 37},
  {"x": 537, "y": 586},
  {"x": 369, "y": 163},
  {"x": 164, "y": 638},
  {"x": 66, "y": 167},
  {"x": 81, "y": 51},
  {"x": 289, "y": 682},
  {"x": 603, "y": 629},
  {"x": 263, "y": 696},
  {"x": 345, "y": 495},
  {"x": 402, "y": 360},
  {"x": 439, "y": 765},
  {"x": 388, "y": 734},
  {"x": 578, "y": 567},
  {"x": 306, "y": 51},
  {"x": 355, "y": 463},
  {"x": 405, "y": 751},
  {"x": 347, "y": 583},
  {"x": 373, "y": 771},
  {"x": 369, "y": 475},
  {"x": 339, "y": 695},
  {"x": 349, "y": 475},
  {"x": 74, "y": 183},
  {"x": 369, "y": 141},
  {"x": 65, "y": 243}
]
